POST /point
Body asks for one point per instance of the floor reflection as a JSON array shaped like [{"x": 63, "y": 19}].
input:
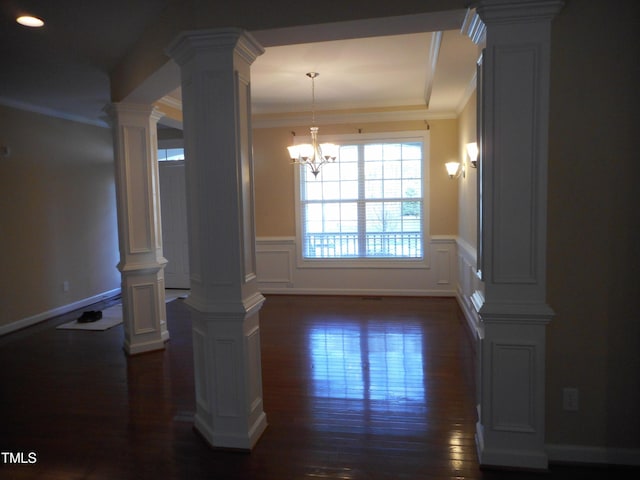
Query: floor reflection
[{"x": 379, "y": 366}]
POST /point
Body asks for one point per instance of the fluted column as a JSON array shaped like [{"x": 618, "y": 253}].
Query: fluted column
[
  {"x": 514, "y": 122},
  {"x": 139, "y": 227},
  {"x": 216, "y": 100}
]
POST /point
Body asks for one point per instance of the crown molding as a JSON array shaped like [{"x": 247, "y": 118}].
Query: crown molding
[{"x": 342, "y": 118}]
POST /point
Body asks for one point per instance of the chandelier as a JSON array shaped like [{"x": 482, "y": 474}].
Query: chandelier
[{"x": 313, "y": 154}]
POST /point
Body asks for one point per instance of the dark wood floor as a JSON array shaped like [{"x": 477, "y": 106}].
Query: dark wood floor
[{"x": 354, "y": 388}]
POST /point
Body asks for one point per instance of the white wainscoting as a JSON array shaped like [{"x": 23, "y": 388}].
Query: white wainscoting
[
  {"x": 469, "y": 288},
  {"x": 280, "y": 273}
]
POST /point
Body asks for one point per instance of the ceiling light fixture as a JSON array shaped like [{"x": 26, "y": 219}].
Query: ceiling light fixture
[
  {"x": 30, "y": 21},
  {"x": 314, "y": 154}
]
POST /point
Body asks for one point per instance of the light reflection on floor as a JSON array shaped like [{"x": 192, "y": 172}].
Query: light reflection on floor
[{"x": 367, "y": 369}]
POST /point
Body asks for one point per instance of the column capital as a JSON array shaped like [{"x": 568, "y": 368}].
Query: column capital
[
  {"x": 510, "y": 11},
  {"x": 515, "y": 313},
  {"x": 119, "y": 109},
  {"x": 192, "y": 42}
]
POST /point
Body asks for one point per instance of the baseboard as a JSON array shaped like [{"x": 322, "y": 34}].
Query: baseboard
[
  {"x": 593, "y": 455},
  {"x": 40, "y": 317},
  {"x": 356, "y": 291}
]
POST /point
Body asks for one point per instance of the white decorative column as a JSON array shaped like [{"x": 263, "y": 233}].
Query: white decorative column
[
  {"x": 513, "y": 181},
  {"x": 139, "y": 227},
  {"x": 215, "y": 69}
]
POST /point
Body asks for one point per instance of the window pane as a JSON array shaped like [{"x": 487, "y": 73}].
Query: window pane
[
  {"x": 374, "y": 217},
  {"x": 392, "y": 169},
  {"x": 412, "y": 188},
  {"x": 313, "y": 217},
  {"x": 349, "y": 217},
  {"x": 373, "y": 170},
  {"x": 411, "y": 209},
  {"x": 412, "y": 151},
  {"x": 373, "y": 189},
  {"x": 348, "y": 153},
  {"x": 392, "y": 151},
  {"x": 392, "y": 214},
  {"x": 392, "y": 188},
  {"x": 372, "y": 152},
  {"x": 313, "y": 191},
  {"x": 331, "y": 190},
  {"x": 348, "y": 171},
  {"x": 331, "y": 213},
  {"x": 411, "y": 169},
  {"x": 330, "y": 172},
  {"x": 410, "y": 224},
  {"x": 175, "y": 154},
  {"x": 349, "y": 190}
]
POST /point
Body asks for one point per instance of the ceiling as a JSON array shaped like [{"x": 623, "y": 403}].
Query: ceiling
[{"x": 63, "y": 69}]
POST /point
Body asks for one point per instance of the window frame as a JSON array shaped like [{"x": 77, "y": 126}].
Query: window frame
[{"x": 368, "y": 262}]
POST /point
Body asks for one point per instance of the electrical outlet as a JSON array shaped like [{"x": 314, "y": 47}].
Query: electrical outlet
[
  {"x": 570, "y": 399},
  {"x": 65, "y": 286}
]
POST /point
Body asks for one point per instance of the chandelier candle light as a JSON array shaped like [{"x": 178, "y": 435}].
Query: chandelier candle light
[{"x": 313, "y": 154}]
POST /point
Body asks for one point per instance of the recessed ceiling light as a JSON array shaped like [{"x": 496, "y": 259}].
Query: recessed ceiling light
[{"x": 29, "y": 21}]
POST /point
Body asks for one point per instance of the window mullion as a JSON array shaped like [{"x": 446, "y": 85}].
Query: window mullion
[{"x": 362, "y": 212}]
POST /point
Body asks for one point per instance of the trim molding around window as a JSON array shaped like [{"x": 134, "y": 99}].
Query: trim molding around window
[{"x": 417, "y": 258}]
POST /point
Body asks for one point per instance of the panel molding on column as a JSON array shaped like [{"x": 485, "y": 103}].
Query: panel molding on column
[
  {"x": 515, "y": 177},
  {"x": 248, "y": 236},
  {"x": 145, "y": 309},
  {"x": 139, "y": 234},
  {"x": 255, "y": 367},
  {"x": 225, "y": 361},
  {"x": 200, "y": 366},
  {"x": 513, "y": 385}
]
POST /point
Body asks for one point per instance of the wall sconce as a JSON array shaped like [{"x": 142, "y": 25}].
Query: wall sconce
[
  {"x": 472, "y": 151},
  {"x": 454, "y": 169}
]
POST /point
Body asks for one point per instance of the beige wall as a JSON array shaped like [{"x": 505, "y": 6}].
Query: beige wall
[
  {"x": 57, "y": 214},
  {"x": 468, "y": 214},
  {"x": 274, "y": 173},
  {"x": 593, "y": 225}
]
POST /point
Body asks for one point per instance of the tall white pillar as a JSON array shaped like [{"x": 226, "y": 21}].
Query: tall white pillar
[
  {"x": 216, "y": 100},
  {"x": 139, "y": 228},
  {"x": 514, "y": 125}
]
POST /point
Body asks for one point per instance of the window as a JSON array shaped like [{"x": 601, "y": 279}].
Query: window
[
  {"x": 368, "y": 204},
  {"x": 170, "y": 154}
]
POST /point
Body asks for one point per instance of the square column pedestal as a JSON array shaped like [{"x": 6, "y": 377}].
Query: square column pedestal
[{"x": 227, "y": 363}]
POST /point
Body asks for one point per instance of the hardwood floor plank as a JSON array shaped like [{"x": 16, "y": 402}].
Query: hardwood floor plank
[{"x": 354, "y": 388}]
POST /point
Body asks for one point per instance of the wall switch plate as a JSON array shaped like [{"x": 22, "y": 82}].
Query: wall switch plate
[
  {"x": 65, "y": 286},
  {"x": 570, "y": 399}
]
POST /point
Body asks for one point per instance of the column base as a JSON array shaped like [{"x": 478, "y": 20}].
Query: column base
[
  {"x": 232, "y": 441},
  {"x": 228, "y": 376},
  {"x": 145, "y": 347},
  {"x": 144, "y": 313},
  {"x": 504, "y": 458}
]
